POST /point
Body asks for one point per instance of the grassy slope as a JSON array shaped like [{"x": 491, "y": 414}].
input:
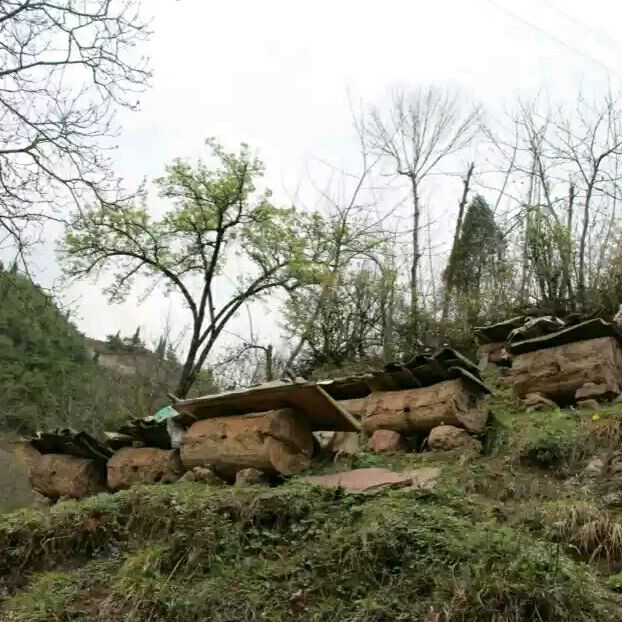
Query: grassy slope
[{"x": 508, "y": 536}]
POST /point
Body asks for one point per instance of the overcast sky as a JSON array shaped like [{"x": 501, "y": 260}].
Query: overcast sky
[{"x": 277, "y": 74}]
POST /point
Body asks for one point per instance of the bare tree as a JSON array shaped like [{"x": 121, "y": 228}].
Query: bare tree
[
  {"x": 65, "y": 66},
  {"x": 351, "y": 232},
  {"x": 419, "y": 131},
  {"x": 587, "y": 142}
]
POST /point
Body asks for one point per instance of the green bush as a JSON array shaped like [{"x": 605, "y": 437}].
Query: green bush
[{"x": 555, "y": 439}]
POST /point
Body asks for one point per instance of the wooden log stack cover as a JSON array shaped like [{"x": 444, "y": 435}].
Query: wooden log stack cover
[
  {"x": 143, "y": 465},
  {"x": 276, "y": 441},
  {"x": 56, "y": 475},
  {"x": 558, "y": 372},
  {"x": 451, "y": 402}
]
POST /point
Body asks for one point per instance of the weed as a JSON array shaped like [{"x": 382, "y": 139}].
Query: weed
[
  {"x": 590, "y": 530},
  {"x": 555, "y": 439},
  {"x": 301, "y": 552},
  {"x": 46, "y": 599}
]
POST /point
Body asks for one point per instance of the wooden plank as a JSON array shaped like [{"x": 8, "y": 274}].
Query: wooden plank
[{"x": 309, "y": 399}]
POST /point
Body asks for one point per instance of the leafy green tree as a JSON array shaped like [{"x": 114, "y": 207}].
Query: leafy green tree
[
  {"x": 349, "y": 325},
  {"x": 218, "y": 220}
]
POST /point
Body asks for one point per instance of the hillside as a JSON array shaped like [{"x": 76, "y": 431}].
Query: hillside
[
  {"x": 47, "y": 374},
  {"x": 529, "y": 531},
  {"x": 53, "y": 376}
]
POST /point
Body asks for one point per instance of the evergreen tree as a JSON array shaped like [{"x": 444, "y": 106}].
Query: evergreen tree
[{"x": 478, "y": 256}]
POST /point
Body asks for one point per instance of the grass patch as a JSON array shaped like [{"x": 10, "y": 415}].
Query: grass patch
[
  {"x": 591, "y": 531},
  {"x": 554, "y": 439},
  {"x": 46, "y": 600},
  {"x": 295, "y": 552}
]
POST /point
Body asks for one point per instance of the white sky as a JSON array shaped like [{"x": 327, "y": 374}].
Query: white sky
[{"x": 276, "y": 74}]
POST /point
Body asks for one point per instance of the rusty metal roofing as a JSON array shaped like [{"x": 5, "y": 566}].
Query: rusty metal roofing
[
  {"x": 147, "y": 431},
  {"x": 592, "y": 329},
  {"x": 318, "y": 401},
  {"x": 71, "y": 443},
  {"x": 495, "y": 333}
]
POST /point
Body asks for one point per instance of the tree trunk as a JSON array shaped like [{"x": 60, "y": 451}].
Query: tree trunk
[
  {"x": 449, "y": 273},
  {"x": 414, "y": 271},
  {"x": 586, "y": 222},
  {"x": 525, "y": 264},
  {"x": 56, "y": 475},
  {"x": 143, "y": 465},
  {"x": 188, "y": 372},
  {"x": 567, "y": 257},
  {"x": 269, "y": 372},
  {"x": 450, "y": 402},
  {"x": 388, "y": 298}
]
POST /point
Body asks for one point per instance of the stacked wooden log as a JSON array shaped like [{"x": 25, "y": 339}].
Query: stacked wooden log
[
  {"x": 270, "y": 428},
  {"x": 275, "y": 442},
  {"x": 578, "y": 363}
]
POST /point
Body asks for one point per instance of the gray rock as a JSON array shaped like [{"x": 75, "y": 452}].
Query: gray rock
[
  {"x": 594, "y": 468},
  {"x": 449, "y": 438},
  {"x": 588, "y": 405},
  {"x": 613, "y": 499},
  {"x": 188, "y": 476},
  {"x": 251, "y": 476},
  {"x": 206, "y": 476}
]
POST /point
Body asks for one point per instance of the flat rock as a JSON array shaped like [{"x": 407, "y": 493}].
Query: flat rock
[
  {"x": 615, "y": 464},
  {"x": 386, "y": 440},
  {"x": 536, "y": 401},
  {"x": 590, "y": 390},
  {"x": 366, "y": 481},
  {"x": 342, "y": 443},
  {"x": 613, "y": 499}
]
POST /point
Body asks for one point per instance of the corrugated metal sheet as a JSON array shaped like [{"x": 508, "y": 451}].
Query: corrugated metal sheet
[
  {"x": 317, "y": 401},
  {"x": 592, "y": 329},
  {"x": 71, "y": 443}
]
